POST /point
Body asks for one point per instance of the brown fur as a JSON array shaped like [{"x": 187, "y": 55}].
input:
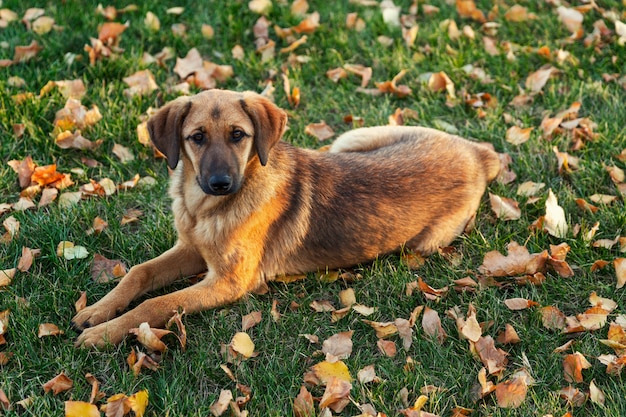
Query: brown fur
[{"x": 288, "y": 210}]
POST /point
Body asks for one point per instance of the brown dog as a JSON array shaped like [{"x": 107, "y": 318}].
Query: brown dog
[{"x": 248, "y": 207}]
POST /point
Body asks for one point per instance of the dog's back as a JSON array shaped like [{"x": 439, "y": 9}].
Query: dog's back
[{"x": 384, "y": 187}]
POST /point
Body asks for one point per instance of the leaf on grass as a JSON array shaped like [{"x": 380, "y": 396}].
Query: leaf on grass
[
  {"x": 81, "y": 409},
  {"x": 516, "y": 135},
  {"x": 511, "y": 393},
  {"x": 554, "y": 221},
  {"x": 573, "y": 396},
  {"x": 552, "y": 318},
  {"x": 620, "y": 271},
  {"x": 319, "y": 130},
  {"x": 243, "y": 345},
  {"x": 367, "y": 375},
  {"x": 138, "y": 402},
  {"x": 123, "y": 153},
  {"x": 508, "y": 336},
  {"x": 323, "y": 372},
  {"x": 338, "y": 346},
  {"x": 322, "y": 306},
  {"x": 573, "y": 365},
  {"x": 140, "y": 83},
  {"x": 538, "y": 79},
  {"x": 27, "y": 258},
  {"x": 70, "y": 199},
  {"x": 595, "y": 394},
  {"x": 518, "y": 262},
  {"x": 383, "y": 330},
  {"x": 529, "y": 188},
  {"x": 392, "y": 86},
  {"x": 148, "y": 338},
  {"x": 572, "y": 19},
  {"x": 431, "y": 323},
  {"x": 519, "y": 303},
  {"x": 337, "y": 395},
  {"x": 387, "y": 347},
  {"x": 440, "y": 81},
  {"x": 467, "y": 9},
  {"x": 26, "y": 53},
  {"x": 6, "y": 276},
  {"x": 492, "y": 358},
  {"x": 362, "y": 71},
  {"x": 505, "y": 208},
  {"x": 81, "y": 303},
  {"x": 48, "y": 195},
  {"x": 59, "y": 383},
  {"x": 70, "y": 251},
  {"x": 48, "y": 329},
  {"x": 251, "y": 320},
  {"x": 111, "y": 31},
  {"x": 105, "y": 270},
  {"x": 303, "y": 405}
]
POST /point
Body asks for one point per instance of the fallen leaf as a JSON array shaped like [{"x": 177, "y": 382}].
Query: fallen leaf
[
  {"x": 538, "y": 79},
  {"x": 505, "y": 208},
  {"x": 338, "y": 346},
  {"x": 81, "y": 409},
  {"x": 58, "y": 384},
  {"x": 516, "y": 135},
  {"x": 571, "y": 18},
  {"x": 431, "y": 323},
  {"x": 325, "y": 371},
  {"x": 140, "y": 83},
  {"x": 387, "y": 347},
  {"x": 104, "y": 270},
  {"x": 518, "y": 262},
  {"x": 251, "y": 320},
  {"x": 620, "y": 271},
  {"x": 221, "y": 405},
  {"x": 26, "y": 260},
  {"x": 508, "y": 336},
  {"x": 595, "y": 394},
  {"x": 573, "y": 365},
  {"x": 336, "y": 395},
  {"x": 555, "y": 222},
  {"x": 319, "y": 130},
  {"x": 511, "y": 393},
  {"x": 242, "y": 344},
  {"x": 48, "y": 329},
  {"x": 367, "y": 375},
  {"x": 573, "y": 396},
  {"x": 70, "y": 251},
  {"x": 138, "y": 402},
  {"x": 493, "y": 359},
  {"x": 303, "y": 405},
  {"x": 383, "y": 330},
  {"x": 552, "y": 318},
  {"x": 519, "y": 303}
]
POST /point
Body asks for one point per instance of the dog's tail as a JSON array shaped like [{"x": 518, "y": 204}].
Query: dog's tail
[{"x": 490, "y": 159}]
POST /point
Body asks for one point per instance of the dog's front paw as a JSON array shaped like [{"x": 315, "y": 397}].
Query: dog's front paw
[
  {"x": 92, "y": 316},
  {"x": 101, "y": 336}
]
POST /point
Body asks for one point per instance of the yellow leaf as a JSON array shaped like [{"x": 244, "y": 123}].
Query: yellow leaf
[
  {"x": 554, "y": 221},
  {"x": 241, "y": 343},
  {"x": 80, "y": 409},
  {"x": 326, "y": 370},
  {"x": 138, "y": 402}
]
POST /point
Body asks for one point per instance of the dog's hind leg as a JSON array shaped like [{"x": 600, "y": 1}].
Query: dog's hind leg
[{"x": 178, "y": 262}]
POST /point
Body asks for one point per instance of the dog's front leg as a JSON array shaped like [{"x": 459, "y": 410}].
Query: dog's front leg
[
  {"x": 180, "y": 261},
  {"x": 209, "y": 293}
]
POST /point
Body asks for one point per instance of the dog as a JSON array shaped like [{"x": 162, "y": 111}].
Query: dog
[{"x": 249, "y": 207}]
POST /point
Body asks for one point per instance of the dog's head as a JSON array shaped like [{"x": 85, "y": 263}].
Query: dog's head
[{"x": 219, "y": 133}]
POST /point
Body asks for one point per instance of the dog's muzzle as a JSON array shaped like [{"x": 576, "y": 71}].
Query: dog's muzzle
[{"x": 218, "y": 185}]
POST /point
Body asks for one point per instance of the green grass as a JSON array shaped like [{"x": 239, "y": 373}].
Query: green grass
[{"x": 188, "y": 382}]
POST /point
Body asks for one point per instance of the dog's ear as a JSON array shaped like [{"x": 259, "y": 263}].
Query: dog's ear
[
  {"x": 269, "y": 123},
  {"x": 165, "y": 128}
]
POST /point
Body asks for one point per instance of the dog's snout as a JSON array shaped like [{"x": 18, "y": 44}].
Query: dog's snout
[{"x": 220, "y": 184}]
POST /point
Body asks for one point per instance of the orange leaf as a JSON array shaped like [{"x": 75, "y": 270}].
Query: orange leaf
[
  {"x": 336, "y": 396},
  {"x": 387, "y": 347},
  {"x": 573, "y": 365},
  {"x": 59, "y": 383},
  {"x": 110, "y": 31},
  {"x": 48, "y": 329},
  {"x": 303, "y": 404},
  {"x": 147, "y": 337},
  {"x": 519, "y": 303},
  {"x": 511, "y": 393}
]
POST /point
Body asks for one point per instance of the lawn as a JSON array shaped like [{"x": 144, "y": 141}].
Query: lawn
[{"x": 543, "y": 82}]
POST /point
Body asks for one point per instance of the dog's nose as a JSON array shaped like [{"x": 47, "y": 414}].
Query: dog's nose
[{"x": 220, "y": 184}]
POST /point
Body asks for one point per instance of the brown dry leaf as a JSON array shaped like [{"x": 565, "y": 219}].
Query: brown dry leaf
[
  {"x": 505, "y": 208},
  {"x": 48, "y": 195},
  {"x": 518, "y": 262},
  {"x": 59, "y": 383},
  {"x": 511, "y": 393},
  {"x": 319, "y": 130},
  {"x": 367, "y": 375},
  {"x": 148, "y": 338},
  {"x": 6, "y": 276},
  {"x": 105, "y": 270},
  {"x": 573, "y": 365},
  {"x": 362, "y": 71},
  {"x": 123, "y": 153},
  {"x": 486, "y": 386},
  {"x": 516, "y": 135},
  {"x": 620, "y": 271},
  {"x": 572, "y": 19},
  {"x": 431, "y": 323},
  {"x": 430, "y": 292},
  {"x": 336, "y": 74},
  {"x": 221, "y": 405},
  {"x": 309, "y": 24},
  {"x": 74, "y": 140},
  {"x": 383, "y": 330},
  {"x": 387, "y": 347},
  {"x": 26, "y": 53},
  {"x": 538, "y": 79},
  {"x": 467, "y": 9},
  {"x": 322, "y": 306},
  {"x": 111, "y": 31},
  {"x": 603, "y": 198},
  {"x": 595, "y": 394},
  {"x": 140, "y": 83},
  {"x": 338, "y": 346},
  {"x": 565, "y": 161},
  {"x": 508, "y": 336},
  {"x": 251, "y": 320},
  {"x": 518, "y": 13},
  {"x": 26, "y": 260},
  {"x": 81, "y": 409},
  {"x": 303, "y": 405},
  {"x": 347, "y": 297},
  {"x": 573, "y": 396},
  {"x": 24, "y": 169},
  {"x": 554, "y": 221},
  {"x": 81, "y": 303},
  {"x": 552, "y": 318},
  {"x": 585, "y": 206},
  {"x": 593, "y": 319},
  {"x": 529, "y": 188},
  {"x": 336, "y": 396},
  {"x": 519, "y": 303},
  {"x": 405, "y": 331},
  {"x": 48, "y": 329},
  {"x": 392, "y": 86},
  {"x": 493, "y": 359},
  {"x": 188, "y": 65},
  {"x": 364, "y": 310},
  {"x": 441, "y": 82}
]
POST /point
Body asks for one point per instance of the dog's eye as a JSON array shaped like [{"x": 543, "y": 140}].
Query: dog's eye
[
  {"x": 197, "y": 137},
  {"x": 237, "y": 135}
]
